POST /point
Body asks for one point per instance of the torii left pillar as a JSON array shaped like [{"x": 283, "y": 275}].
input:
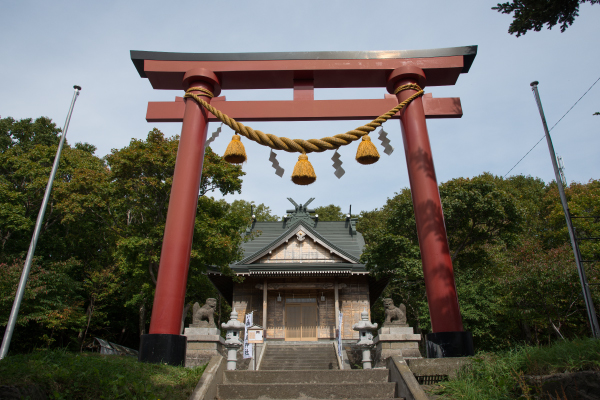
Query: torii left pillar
[{"x": 164, "y": 343}]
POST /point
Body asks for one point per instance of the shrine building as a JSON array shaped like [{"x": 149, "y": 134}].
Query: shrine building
[{"x": 298, "y": 274}]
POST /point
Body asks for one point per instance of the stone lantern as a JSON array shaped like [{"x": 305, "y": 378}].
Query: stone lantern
[
  {"x": 232, "y": 339},
  {"x": 365, "y": 341}
]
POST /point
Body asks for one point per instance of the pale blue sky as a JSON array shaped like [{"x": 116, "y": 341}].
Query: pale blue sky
[{"x": 48, "y": 47}]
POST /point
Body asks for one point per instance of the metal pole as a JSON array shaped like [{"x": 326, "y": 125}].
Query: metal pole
[
  {"x": 582, "y": 278},
  {"x": 12, "y": 320}
]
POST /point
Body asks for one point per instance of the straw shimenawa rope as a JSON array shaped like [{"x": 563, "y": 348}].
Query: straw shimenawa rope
[{"x": 301, "y": 145}]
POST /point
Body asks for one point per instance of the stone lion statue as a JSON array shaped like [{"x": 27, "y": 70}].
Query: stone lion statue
[
  {"x": 204, "y": 317},
  {"x": 394, "y": 315}
]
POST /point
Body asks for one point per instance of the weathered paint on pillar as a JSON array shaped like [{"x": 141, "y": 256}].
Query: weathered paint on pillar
[
  {"x": 179, "y": 228},
  {"x": 431, "y": 230}
]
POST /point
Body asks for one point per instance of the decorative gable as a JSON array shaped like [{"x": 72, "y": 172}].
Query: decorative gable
[
  {"x": 299, "y": 249},
  {"x": 300, "y": 244}
]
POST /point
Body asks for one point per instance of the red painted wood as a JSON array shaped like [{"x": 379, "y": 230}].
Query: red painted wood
[
  {"x": 306, "y": 110},
  {"x": 179, "y": 229},
  {"x": 304, "y": 89},
  {"x": 431, "y": 230},
  {"x": 280, "y": 74}
]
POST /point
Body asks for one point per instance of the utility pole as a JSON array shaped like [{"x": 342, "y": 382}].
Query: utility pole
[
  {"x": 563, "y": 198},
  {"x": 12, "y": 320}
]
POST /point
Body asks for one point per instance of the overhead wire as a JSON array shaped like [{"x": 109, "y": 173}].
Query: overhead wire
[{"x": 542, "y": 138}]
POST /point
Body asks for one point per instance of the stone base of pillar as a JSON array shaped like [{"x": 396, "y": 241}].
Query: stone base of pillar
[
  {"x": 162, "y": 349},
  {"x": 202, "y": 344},
  {"x": 396, "y": 341},
  {"x": 450, "y": 344}
]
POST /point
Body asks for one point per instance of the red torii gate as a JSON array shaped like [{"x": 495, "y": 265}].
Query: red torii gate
[{"x": 303, "y": 72}]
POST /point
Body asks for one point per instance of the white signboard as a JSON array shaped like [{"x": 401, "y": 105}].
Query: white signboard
[
  {"x": 340, "y": 335},
  {"x": 247, "y": 345},
  {"x": 255, "y": 336}
]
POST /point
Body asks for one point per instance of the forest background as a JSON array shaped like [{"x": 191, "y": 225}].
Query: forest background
[{"x": 96, "y": 262}]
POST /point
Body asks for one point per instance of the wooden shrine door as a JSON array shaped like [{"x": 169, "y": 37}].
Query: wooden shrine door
[{"x": 301, "y": 321}]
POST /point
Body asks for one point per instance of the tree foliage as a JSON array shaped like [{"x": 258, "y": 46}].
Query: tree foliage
[
  {"x": 330, "y": 213},
  {"x": 98, "y": 253},
  {"x": 514, "y": 269},
  {"x": 249, "y": 208},
  {"x": 534, "y": 14}
]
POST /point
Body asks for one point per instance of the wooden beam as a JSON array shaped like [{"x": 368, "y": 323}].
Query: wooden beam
[
  {"x": 265, "y": 307},
  {"x": 337, "y": 305},
  {"x": 280, "y": 74},
  {"x": 301, "y": 285},
  {"x": 303, "y": 110}
]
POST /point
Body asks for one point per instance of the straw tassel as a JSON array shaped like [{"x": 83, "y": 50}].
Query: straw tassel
[
  {"x": 367, "y": 152},
  {"x": 304, "y": 173},
  {"x": 235, "y": 153}
]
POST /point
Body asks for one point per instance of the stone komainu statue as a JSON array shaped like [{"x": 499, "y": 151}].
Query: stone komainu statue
[
  {"x": 204, "y": 316},
  {"x": 394, "y": 315}
]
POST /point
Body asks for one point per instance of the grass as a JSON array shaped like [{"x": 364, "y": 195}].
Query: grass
[
  {"x": 500, "y": 375},
  {"x": 65, "y": 375}
]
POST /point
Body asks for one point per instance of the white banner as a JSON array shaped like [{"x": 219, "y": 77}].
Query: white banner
[
  {"x": 248, "y": 346},
  {"x": 340, "y": 335}
]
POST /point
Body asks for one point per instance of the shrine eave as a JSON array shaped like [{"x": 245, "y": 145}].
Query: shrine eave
[
  {"x": 224, "y": 283},
  {"x": 297, "y": 269},
  {"x": 326, "y": 69}
]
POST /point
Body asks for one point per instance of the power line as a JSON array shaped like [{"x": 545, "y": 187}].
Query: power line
[{"x": 542, "y": 138}]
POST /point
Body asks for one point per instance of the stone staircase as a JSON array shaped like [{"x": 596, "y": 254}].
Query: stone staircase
[
  {"x": 307, "y": 384},
  {"x": 287, "y": 357}
]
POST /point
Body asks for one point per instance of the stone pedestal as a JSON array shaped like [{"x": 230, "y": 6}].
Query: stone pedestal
[
  {"x": 202, "y": 344},
  {"x": 396, "y": 341}
]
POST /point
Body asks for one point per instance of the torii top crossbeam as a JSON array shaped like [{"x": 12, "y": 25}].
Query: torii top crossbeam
[
  {"x": 303, "y": 72},
  {"x": 401, "y": 73}
]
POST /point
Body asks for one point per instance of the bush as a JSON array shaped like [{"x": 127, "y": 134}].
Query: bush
[
  {"x": 500, "y": 375},
  {"x": 65, "y": 375}
]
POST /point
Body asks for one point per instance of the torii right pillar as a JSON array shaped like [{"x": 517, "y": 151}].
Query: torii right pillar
[{"x": 448, "y": 338}]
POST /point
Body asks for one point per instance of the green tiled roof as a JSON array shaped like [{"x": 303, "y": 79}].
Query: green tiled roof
[{"x": 340, "y": 237}]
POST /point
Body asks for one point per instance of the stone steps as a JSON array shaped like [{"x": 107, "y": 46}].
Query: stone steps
[
  {"x": 303, "y": 390},
  {"x": 304, "y": 372},
  {"x": 308, "y": 376},
  {"x": 299, "y": 357},
  {"x": 295, "y": 366},
  {"x": 306, "y": 384}
]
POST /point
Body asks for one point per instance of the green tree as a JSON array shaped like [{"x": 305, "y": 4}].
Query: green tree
[
  {"x": 98, "y": 252},
  {"x": 534, "y": 14},
  {"x": 542, "y": 291},
  {"x": 66, "y": 247},
  {"x": 481, "y": 218},
  {"x": 141, "y": 176},
  {"x": 249, "y": 208},
  {"x": 332, "y": 213},
  {"x": 52, "y": 305}
]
